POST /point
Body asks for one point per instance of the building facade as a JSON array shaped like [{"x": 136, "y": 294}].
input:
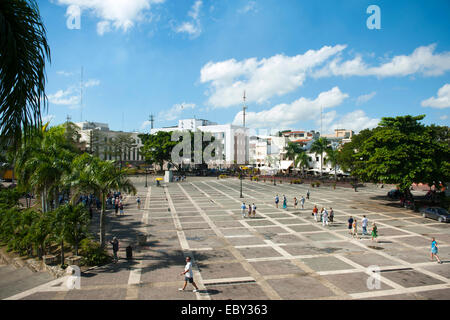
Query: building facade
[{"x": 110, "y": 145}]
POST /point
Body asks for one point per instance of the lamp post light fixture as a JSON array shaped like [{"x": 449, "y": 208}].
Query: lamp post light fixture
[{"x": 146, "y": 171}]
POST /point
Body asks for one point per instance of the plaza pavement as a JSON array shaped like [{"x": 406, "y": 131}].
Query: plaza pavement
[{"x": 280, "y": 254}]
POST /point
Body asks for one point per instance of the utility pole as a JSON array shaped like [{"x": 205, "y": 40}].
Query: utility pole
[
  {"x": 152, "y": 119},
  {"x": 244, "y": 107},
  {"x": 81, "y": 95}
]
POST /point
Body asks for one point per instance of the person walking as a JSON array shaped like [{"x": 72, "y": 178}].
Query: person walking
[
  {"x": 116, "y": 205},
  {"x": 331, "y": 214},
  {"x": 355, "y": 229},
  {"x": 325, "y": 217},
  {"x": 374, "y": 232},
  {"x": 350, "y": 225},
  {"x": 315, "y": 212},
  {"x": 284, "y": 202},
  {"x": 307, "y": 194},
  {"x": 434, "y": 250},
  {"x": 138, "y": 200},
  {"x": 115, "y": 245},
  {"x": 188, "y": 275},
  {"x": 121, "y": 208},
  {"x": 364, "y": 224},
  {"x": 243, "y": 209},
  {"x": 302, "y": 201},
  {"x": 254, "y": 210},
  {"x": 295, "y": 202},
  {"x": 249, "y": 210},
  {"x": 277, "y": 200}
]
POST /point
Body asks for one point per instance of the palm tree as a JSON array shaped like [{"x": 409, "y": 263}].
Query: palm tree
[
  {"x": 332, "y": 157},
  {"x": 23, "y": 53},
  {"x": 42, "y": 160},
  {"x": 301, "y": 159},
  {"x": 292, "y": 150},
  {"x": 319, "y": 146},
  {"x": 92, "y": 175}
]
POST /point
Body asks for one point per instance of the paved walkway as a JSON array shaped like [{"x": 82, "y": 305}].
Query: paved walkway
[{"x": 280, "y": 254}]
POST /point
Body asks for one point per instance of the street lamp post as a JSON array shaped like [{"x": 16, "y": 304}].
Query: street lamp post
[
  {"x": 241, "y": 196},
  {"x": 146, "y": 171}
]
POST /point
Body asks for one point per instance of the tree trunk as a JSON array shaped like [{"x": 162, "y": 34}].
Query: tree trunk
[
  {"x": 102, "y": 222},
  {"x": 62, "y": 252}
]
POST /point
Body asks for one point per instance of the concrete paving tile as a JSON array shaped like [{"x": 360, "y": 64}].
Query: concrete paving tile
[
  {"x": 298, "y": 288},
  {"x": 410, "y": 278},
  {"x": 326, "y": 263}
]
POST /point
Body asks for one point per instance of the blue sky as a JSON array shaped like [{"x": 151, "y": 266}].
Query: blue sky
[{"x": 181, "y": 58}]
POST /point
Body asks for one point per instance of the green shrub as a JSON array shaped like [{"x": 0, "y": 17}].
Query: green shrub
[
  {"x": 223, "y": 176},
  {"x": 92, "y": 253},
  {"x": 317, "y": 184},
  {"x": 255, "y": 178},
  {"x": 297, "y": 181}
]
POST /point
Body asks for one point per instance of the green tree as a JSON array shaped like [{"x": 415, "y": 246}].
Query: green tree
[
  {"x": 42, "y": 160},
  {"x": 23, "y": 53},
  {"x": 302, "y": 159},
  {"x": 332, "y": 158},
  {"x": 403, "y": 151},
  {"x": 70, "y": 224},
  {"x": 292, "y": 150},
  {"x": 158, "y": 148},
  {"x": 92, "y": 175},
  {"x": 319, "y": 146}
]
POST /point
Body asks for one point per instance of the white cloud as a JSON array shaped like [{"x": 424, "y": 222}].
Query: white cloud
[
  {"x": 64, "y": 73},
  {"x": 91, "y": 83},
  {"x": 117, "y": 14},
  {"x": 441, "y": 101},
  {"x": 364, "y": 98},
  {"x": 175, "y": 112},
  {"x": 64, "y": 97},
  {"x": 422, "y": 60},
  {"x": 193, "y": 27},
  {"x": 356, "y": 120},
  {"x": 145, "y": 124},
  {"x": 285, "y": 115},
  {"x": 261, "y": 79},
  {"x": 250, "y": 6},
  {"x": 444, "y": 117},
  {"x": 71, "y": 95}
]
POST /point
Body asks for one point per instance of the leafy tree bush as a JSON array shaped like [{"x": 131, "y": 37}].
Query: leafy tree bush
[{"x": 93, "y": 254}]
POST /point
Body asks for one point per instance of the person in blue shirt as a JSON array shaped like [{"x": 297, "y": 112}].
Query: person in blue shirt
[
  {"x": 434, "y": 250},
  {"x": 277, "y": 200},
  {"x": 244, "y": 208}
]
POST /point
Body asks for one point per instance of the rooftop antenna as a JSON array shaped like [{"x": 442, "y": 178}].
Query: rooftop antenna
[
  {"x": 244, "y": 107},
  {"x": 81, "y": 95},
  {"x": 321, "y": 133},
  {"x": 123, "y": 117},
  {"x": 152, "y": 119},
  {"x": 68, "y": 119}
]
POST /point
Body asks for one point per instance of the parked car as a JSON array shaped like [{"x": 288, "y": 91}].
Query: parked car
[
  {"x": 394, "y": 194},
  {"x": 439, "y": 214}
]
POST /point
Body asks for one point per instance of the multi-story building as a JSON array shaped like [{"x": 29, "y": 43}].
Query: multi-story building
[
  {"x": 234, "y": 139},
  {"x": 108, "y": 144},
  {"x": 340, "y": 136}
]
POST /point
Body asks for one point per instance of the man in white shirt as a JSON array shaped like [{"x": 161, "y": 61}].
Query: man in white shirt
[
  {"x": 325, "y": 217},
  {"x": 364, "y": 224},
  {"x": 188, "y": 275}
]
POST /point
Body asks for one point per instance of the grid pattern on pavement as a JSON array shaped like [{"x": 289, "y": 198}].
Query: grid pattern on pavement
[{"x": 279, "y": 254}]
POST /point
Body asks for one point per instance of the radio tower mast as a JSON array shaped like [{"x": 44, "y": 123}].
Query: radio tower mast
[{"x": 81, "y": 95}]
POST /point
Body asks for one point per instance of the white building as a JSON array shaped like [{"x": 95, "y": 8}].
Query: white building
[
  {"x": 97, "y": 138},
  {"x": 234, "y": 139}
]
